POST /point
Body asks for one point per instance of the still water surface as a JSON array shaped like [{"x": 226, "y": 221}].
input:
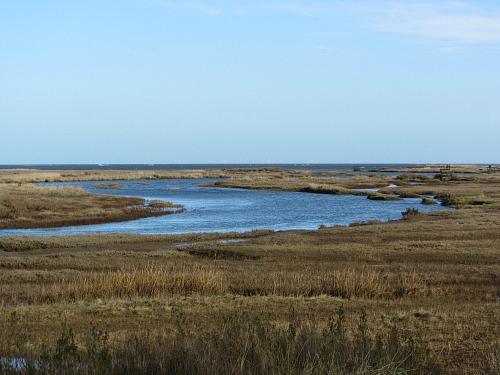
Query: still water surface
[{"x": 211, "y": 209}]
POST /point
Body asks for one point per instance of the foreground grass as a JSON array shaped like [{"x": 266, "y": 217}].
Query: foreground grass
[
  {"x": 436, "y": 277},
  {"x": 239, "y": 344}
]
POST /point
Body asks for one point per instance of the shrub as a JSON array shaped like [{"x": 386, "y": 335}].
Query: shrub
[
  {"x": 325, "y": 189},
  {"x": 427, "y": 200},
  {"x": 382, "y": 197},
  {"x": 463, "y": 200},
  {"x": 410, "y": 212},
  {"x": 159, "y": 204}
]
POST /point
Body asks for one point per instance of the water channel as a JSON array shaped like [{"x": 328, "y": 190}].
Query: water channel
[{"x": 210, "y": 209}]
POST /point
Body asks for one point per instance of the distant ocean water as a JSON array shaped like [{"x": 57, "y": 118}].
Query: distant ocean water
[{"x": 177, "y": 167}]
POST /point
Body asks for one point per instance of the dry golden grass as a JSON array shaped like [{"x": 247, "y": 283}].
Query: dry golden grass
[
  {"x": 28, "y": 206},
  {"x": 144, "y": 282},
  {"x": 344, "y": 283},
  {"x": 33, "y": 175}
]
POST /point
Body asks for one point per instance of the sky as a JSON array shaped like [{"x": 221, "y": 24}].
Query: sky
[{"x": 249, "y": 81}]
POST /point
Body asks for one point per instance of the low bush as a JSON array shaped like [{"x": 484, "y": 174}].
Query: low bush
[
  {"x": 410, "y": 212},
  {"x": 382, "y": 197},
  {"x": 409, "y": 195},
  {"x": 325, "y": 189},
  {"x": 427, "y": 200},
  {"x": 109, "y": 186},
  {"x": 463, "y": 200},
  {"x": 159, "y": 204}
]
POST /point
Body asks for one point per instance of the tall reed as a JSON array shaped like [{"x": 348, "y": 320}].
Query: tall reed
[
  {"x": 348, "y": 283},
  {"x": 149, "y": 282}
]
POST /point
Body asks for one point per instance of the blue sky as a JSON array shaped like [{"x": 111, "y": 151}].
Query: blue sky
[{"x": 158, "y": 81}]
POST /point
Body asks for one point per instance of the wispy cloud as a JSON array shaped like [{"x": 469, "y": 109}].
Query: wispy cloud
[
  {"x": 297, "y": 8},
  {"x": 449, "y": 25},
  {"x": 205, "y": 8},
  {"x": 457, "y": 22},
  {"x": 239, "y": 7}
]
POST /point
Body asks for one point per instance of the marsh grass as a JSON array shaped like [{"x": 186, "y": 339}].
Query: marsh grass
[
  {"x": 109, "y": 186},
  {"x": 326, "y": 189},
  {"x": 493, "y": 362},
  {"x": 382, "y": 197},
  {"x": 435, "y": 275},
  {"x": 347, "y": 283},
  {"x": 180, "y": 280},
  {"x": 23, "y": 176},
  {"x": 148, "y": 282},
  {"x": 465, "y": 200},
  {"x": 159, "y": 204},
  {"x": 238, "y": 344},
  {"x": 427, "y": 200},
  {"x": 28, "y": 206},
  {"x": 28, "y": 243}
]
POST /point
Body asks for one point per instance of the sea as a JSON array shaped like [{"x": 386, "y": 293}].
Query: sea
[{"x": 341, "y": 168}]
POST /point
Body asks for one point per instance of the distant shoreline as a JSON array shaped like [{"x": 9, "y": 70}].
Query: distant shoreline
[{"x": 176, "y": 167}]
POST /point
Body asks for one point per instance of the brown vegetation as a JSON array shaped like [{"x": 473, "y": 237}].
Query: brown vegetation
[
  {"x": 109, "y": 186},
  {"x": 436, "y": 277},
  {"x": 34, "y": 175},
  {"x": 28, "y": 206}
]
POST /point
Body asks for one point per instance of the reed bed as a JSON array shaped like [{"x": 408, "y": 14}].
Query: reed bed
[
  {"x": 348, "y": 283},
  {"x": 148, "y": 282},
  {"x": 177, "y": 280}
]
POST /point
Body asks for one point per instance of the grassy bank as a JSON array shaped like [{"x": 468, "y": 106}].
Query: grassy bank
[
  {"x": 29, "y": 206},
  {"x": 33, "y": 175}
]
